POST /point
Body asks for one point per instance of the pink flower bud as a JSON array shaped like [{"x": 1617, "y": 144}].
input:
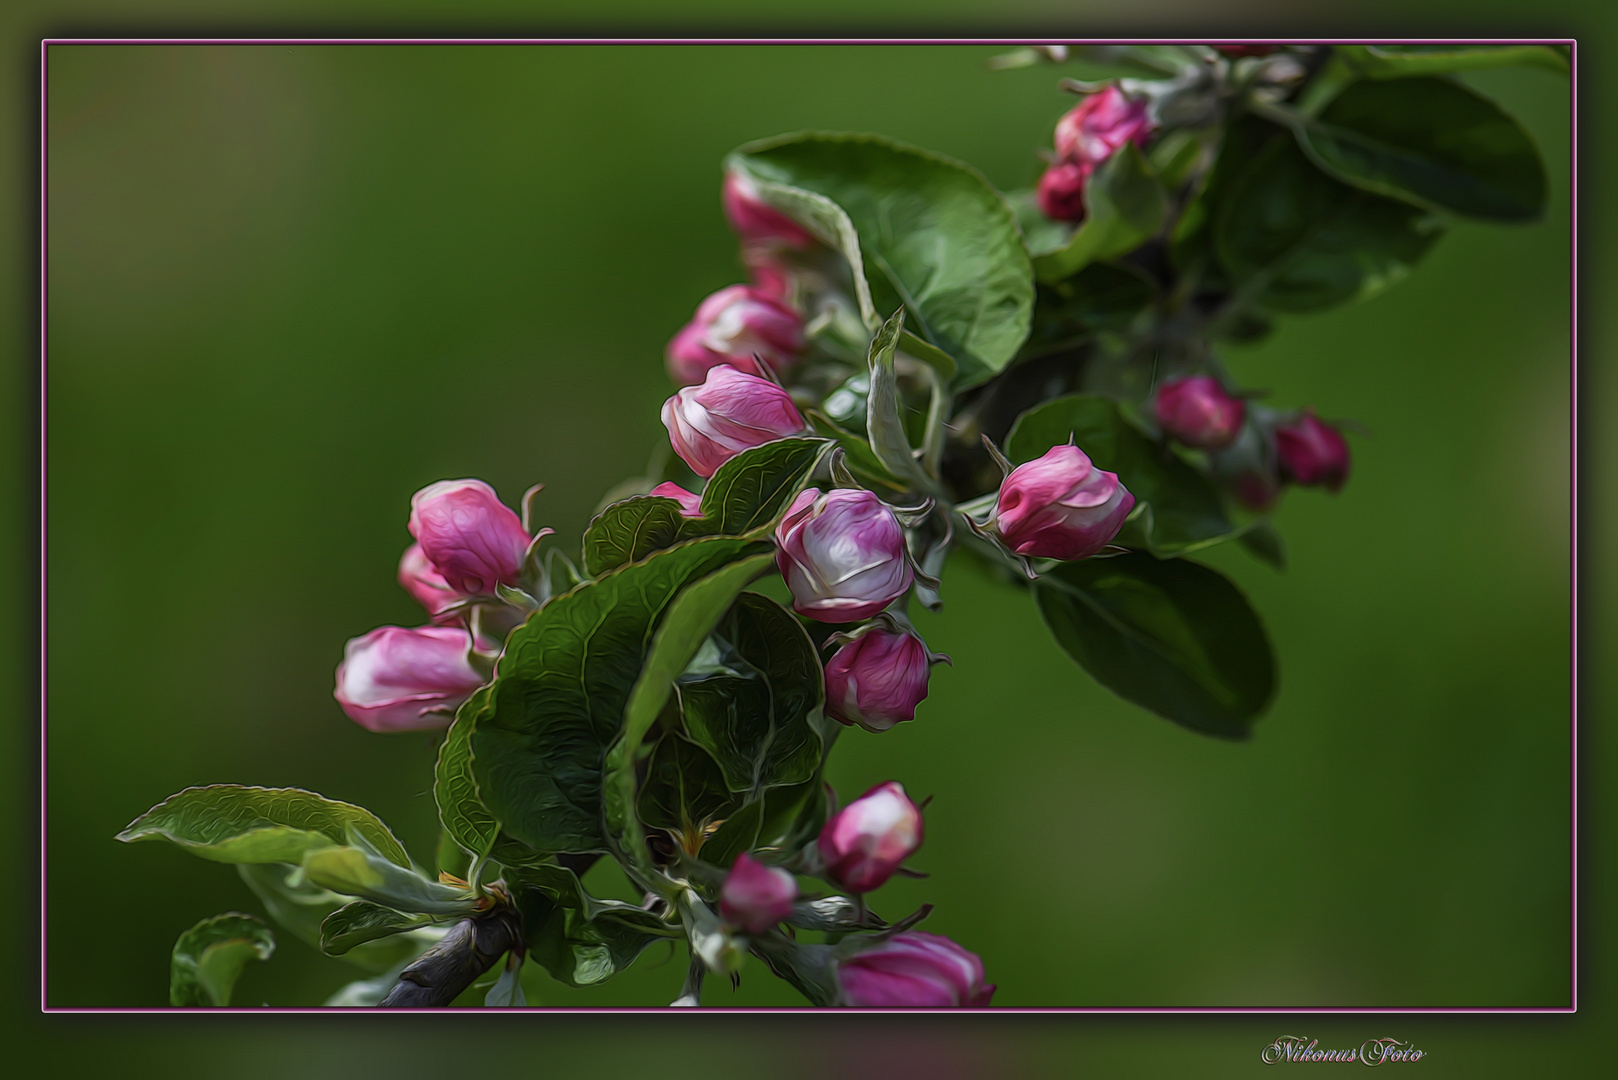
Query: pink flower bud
[
  {"x": 1235, "y": 51},
  {"x": 1096, "y": 127},
  {"x": 865, "y": 843},
  {"x": 877, "y": 679},
  {"x": 422, "y": 581},
  {"x": 738, "y": 325},
  {"x": 469, "y": 535},
  {"x": 1061, "y": 191},
  {"x": 1198, "y": 412},
  {"x": 690, "y": 503},
  {"x": 842, "y": 555},
  {"x": 1312, "y": 453},
  {"x": 394, "y": 679},
  {"x": 754, "y": 219},
  {"x": 755, "y": 897},
  {"x": 1060, "y": 506},
  {"x": 730, "y": 412},
  {"x": 914, "y": 969}
]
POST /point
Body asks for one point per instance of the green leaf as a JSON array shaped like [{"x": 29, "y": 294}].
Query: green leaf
[
  {"x": 1041, "y": 235},
  {"x": 1178, "y": 508},
  {"x": 1294, "y": 239},
  {"x": 793, "y": 816},
  {"x": 352, "y": 871},
  {"x": 628, "y": 531},
  {"x": 753, "y": 490},
  {"x": 1429, "y": 141},
  {"x": 691, "y": 617},
  {"x": 858, "y": 455},
  {"x": 460, "y": 811},
  {"x": 738, "y": 834},
  {"x": 561, "y": 689},
  {"x": 580, "y": 940},
  {"x": 1101, "y": 297},
  {"x": 209, "y": 957},
  {"x": 884, "y": 423},
  {"x": 1171, "y": 636},
  {"x": 684, "y": 791},
  {"x": 939, "y": 235},
  {"x": 1264, "y": 541},
  {"x": 1124, "y": 207},
  {"x": 301, "y": 908},
  {"x": 361, "y": 921},
  {"x": 1403, "y": 61},
  {"x": 231, "y": 823},
  {"x": 764, "y": 725}
]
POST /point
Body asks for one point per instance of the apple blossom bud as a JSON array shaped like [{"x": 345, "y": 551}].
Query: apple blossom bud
[
  {"x": 1061, "y": 191},
  {"x": 754, "y": 219},
  {"x": 867, "y": 840},
  {"x": 1094, "y": 129},
  {"x": 1312, "y": 453},
  {"x": 755, "y": 897},
  {"x": 914, "y": 969},
  {"x": 842, "y": 555},
  {"x": 690, "y": 502},
  {"x": 1060, "y": 506},
  {"x": 738, "y": 325},
  {"x": 469, "y": 535},
  {"x": 423, "y": 581},
  {"x": 1236, "y": 51},
  {"x": 394, "y": 679},
  {"x": 729, "y": 412},
  {"x": 1198, "y": 412},
  {"x": 878, "y": 678}
]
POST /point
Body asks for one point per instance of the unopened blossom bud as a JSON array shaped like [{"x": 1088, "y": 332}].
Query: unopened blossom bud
[
  {"x": 842, "y": 555},
  {"x": 866, "y": 841},
  {"x": 755, "y": 897},
  {"x": 1099, "y": 125},
  {"x": 754, "y": 219},
  {"x": 690, "y": 502},
  {"x": 394, "y": 679},
  {"x": 1312, "y": 453},
  {"x": 1198, "y": 412},
  {"x": 1061, "y": 191},
  {"x": 469, "y": 535},
  {"x": 1236, "y": 51},
  {"x": 878, "y": 678},
  {"x": 740, "y": 326},
  {"x": 730, "y": 412},
  {"x": 1060, "y": 506},
  {"x": 913, "y": 969},
  {"x": 423, "y": 581}
]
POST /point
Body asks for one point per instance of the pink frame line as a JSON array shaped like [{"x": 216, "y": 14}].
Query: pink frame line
[{"x": 1239, "y": 1010}]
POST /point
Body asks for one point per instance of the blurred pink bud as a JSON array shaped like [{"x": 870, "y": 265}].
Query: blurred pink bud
[
  {"x": 394, "y": 679},
  {"x": 1061, "y": 191},
  {"x": 1060, "y": 506},
  {"x": 914, "y": 969},
  {"x": 754, "y": 219},
  {"x": 1198, "y": 412},
  {"x": 422, "y": 581},
  {"x": 865, "y": 843},
  {"x": 730, "y": 412},
  {"x": 1096, "y": 127},
  {"x": 1234, "y": 51},
  {"x": 690, "y": 503},
  {"x": 738, "y": 325},
  {"x": 842, "y": 555},
  {"x": 469, "y": 535},
  {"x": 771, "y": 276},
  {"x": 1312, "y": 453},
  {"x": 877, "y": 679},
  {"x": 755, "y": 897}
]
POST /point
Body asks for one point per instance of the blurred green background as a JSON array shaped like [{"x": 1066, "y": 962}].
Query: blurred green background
[{"x": 289, "y": 286}]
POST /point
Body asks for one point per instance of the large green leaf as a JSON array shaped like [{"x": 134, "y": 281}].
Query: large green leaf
[
  {"x": 684, "y": 791},
  {"x": 231, "y": 823},
  {"x": 1432, "y": 142},
  {"x": 353, "y": 871},
  {"x": 1403, "y": 61},
  {"x": 630, "y": 530},
  {"x": 560, "y": 692},
  {"x": 1171, "y": 636},
  {"x": 937, "y": 233},
  {"x": 209, "y": 957},
  {"x": 690, "y": 619},
  {"x": 760, "y": 717},
  {"x": 581, "y": 940},
  {"x": 1182, "y": 511},
  {"x": 1293, "y": 239},
  {"x": 1125, "y": 206},
  {"x": 460, "y": 811},
  {"x": 362, "y": 921}
]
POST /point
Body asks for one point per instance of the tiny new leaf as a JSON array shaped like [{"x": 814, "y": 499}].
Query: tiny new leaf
[
  {"x": 352, "y": 871},
  {"x": 361, "y": 921},
  {"x": 209, "y": 957}
]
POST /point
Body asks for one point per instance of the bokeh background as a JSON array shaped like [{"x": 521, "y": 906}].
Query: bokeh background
[{"x": 291, "y": 285}]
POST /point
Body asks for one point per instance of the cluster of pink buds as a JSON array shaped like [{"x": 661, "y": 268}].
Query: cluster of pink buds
[
  {"x": 468, "y": 544},
  {"x": 1086, "y": 136}
]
